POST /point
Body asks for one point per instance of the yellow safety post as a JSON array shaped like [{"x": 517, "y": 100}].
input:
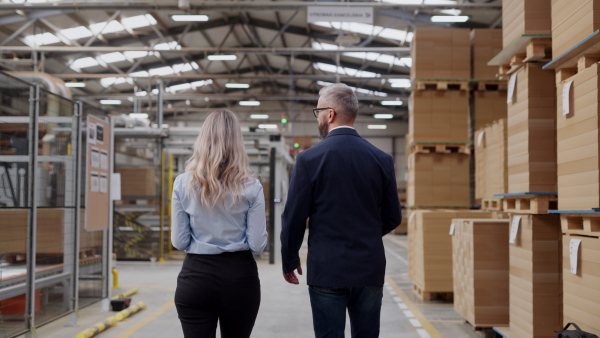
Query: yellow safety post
[
  {"x": 115, "y": 274},
  {"x": 126, "y": 294},
  {"x": 170, "y": 189},
  {"x": 128, "y": 312},
  {"x": 97, "y": 328},
  {"x": 161, "y": 213}
]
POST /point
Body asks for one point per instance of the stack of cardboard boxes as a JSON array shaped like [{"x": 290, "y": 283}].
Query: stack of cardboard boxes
[
  {"x": 480, "y": 268},
  {"x": 491, "y": 176},
  {"x": 575, "y": 45}
]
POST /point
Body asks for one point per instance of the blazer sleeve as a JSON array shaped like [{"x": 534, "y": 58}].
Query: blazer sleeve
[
  {"x": 295, "y": 214},
  {"x": 391, "y": 216},
  {"x": 180, "y": 220}
]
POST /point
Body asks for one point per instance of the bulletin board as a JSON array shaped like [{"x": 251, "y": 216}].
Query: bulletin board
[{"x": 97, "y": 193}]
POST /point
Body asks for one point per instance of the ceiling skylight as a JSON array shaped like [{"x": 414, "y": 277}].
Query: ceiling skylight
[
  {"x": 135, "y": 54},
  {"x": 399, "y": 83},
  {"x": 167, "y": 46},
  {"x": 138, "y": 21},
  {"x": 84, "y": 63},
  {"x": 362, "y": 28},
  {"x": 41, "y": 39},
  {"x": 76, "y": 33},
  {"x": 371, "y": 56},
  {"x": 109, "y": 81},
  {"x": 186, "y": 86},
  {"x": 112, "y": 57},
  {"x": 161, "y": 71},
  {"x": 344, "y": 70},
  {"x": 358, "y": 90},
  {"x": 185, "y": 67},
  {"x": 113, "y": 26}
]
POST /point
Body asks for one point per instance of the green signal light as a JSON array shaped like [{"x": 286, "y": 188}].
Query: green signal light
[
  {"x": 283, "y": 120},
  {"x": 296, "y": 145}
]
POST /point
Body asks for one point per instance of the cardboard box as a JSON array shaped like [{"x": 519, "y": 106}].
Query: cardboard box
[
  {"x": 480, "y": 271},
  {"x": 577, "y": 143},
  {"x": 531, "y": 129},
  {"x": 491, "y": 175},
  {"x": 525, "y": 17},
  {"x": 536, "y": 277},
  {"x": 572, "y": 22},
  {"x": 429, "y": 44},
  {"x": 138, "y": 181},
  {"x": 438, "y": 180},
  {"x": 50, "y": 231},
  {"x": 438, "y": 116},
  {"x": 486, "y": 44},
  {"x": 430, "y": 247},
  {"x": 489, "y": 106},
  {"x": 581, "y": 291}
]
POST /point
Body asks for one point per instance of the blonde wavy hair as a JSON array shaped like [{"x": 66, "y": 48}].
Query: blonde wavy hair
[{"x": 219, "y": 163}]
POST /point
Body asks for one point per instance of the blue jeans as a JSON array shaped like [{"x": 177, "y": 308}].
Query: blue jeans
[{"x": 329, "y": 306}]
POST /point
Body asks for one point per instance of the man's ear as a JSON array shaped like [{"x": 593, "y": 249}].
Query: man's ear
[{"x": 332, "y": 116}]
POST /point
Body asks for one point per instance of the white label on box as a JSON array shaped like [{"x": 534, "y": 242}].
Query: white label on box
[
  {"x": 566, "y": 104},
  {"x": 411, "y": 217},
  {"x": 514, "y": 228},
  {"x": 480, "y": 138},
  {"x": 511, "y": 88},
  {"x": 574, "y": 254},
  {"x": 452, "y": 229}
]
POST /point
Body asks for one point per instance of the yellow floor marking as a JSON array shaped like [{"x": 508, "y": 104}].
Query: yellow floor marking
[
  {"x": 433, "y": 332},
  {"x": 148, "y": 319}
]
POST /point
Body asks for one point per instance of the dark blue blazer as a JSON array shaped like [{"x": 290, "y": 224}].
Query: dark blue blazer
[{"x": 347, "y": 187}]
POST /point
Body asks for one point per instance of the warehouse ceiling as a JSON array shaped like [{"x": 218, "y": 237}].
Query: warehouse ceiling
[{"x": 126, "y": 51}]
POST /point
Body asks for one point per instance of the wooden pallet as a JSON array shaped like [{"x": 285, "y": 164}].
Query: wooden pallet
[
  {"x": 427, "y": 296},
  {"x": 442, "y": 148},
  {"x": 586, "y": 224},
  {"x": 577, "y": 59},
  {"x": 492, "y": 204},
  {"x": 441, "y": 84},
  {"x": 523, "y": 49},
  {"x": 529, "y": 203},
  {"x": 492, "y": 85}
]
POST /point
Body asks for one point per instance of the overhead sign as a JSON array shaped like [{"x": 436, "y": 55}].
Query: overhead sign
[{"x": 340, "y": 14}]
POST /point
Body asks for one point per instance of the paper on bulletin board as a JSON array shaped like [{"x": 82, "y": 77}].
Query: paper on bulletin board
[
  {"x": 566, "y": 102},
  {"x": 511, "y": 88},
  {"x": 514, "y": 229},
  {"x": 452, "y": 229},
  {"x": 115, "y": 186},
  {"x": 574, "y": 254}
]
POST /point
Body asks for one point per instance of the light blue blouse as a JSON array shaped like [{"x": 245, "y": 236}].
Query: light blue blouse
[{"x": 238, "y": 227}]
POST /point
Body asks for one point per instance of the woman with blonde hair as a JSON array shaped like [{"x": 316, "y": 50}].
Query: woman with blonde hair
[{"x": 219, "y": 221}]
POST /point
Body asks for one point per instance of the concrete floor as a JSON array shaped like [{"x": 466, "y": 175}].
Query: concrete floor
[{"x": 285, "y": 308}]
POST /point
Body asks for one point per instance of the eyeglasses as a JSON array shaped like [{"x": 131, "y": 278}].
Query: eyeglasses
[{"x": 316, "y": 111}]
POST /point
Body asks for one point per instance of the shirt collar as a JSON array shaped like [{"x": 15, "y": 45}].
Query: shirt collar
[{"x": 341, "y": 127}]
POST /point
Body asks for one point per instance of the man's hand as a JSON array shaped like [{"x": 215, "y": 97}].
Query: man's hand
[{"x": 291, "y": 277}]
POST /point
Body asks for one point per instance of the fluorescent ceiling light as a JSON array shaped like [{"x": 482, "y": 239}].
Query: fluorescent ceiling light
[
  {"x": 84, "y": 63},
  {"x": 75, "y": 84},
  {"x": 399, "y": 83},
  {"x": 222, "y": 57},
  {"x": 110, "y": 102},
  {"x": 391, "y": 103},
  {"x": 76, "y": 33},
  {"x": 370, "y": 56},
  {"x": 113, "y": 57},
  {"x": 259, "y": 116},
  {"x": 449, "y": 18},
  {"x": 112, "y": 27},
  {"x": 237, "y": 85},
  {"x": 138, "y": 115},
  {"x": 383, "y": 116},
  {"x": 366, "y": 29},
  {"x": 376, "y": 126},
  {"x": 267, "y": 126},
  {"x": 359, "y": 90},
  {"x": 249, "y": 103},
  {"x": 189, "y": 17},
  {"x": 41, "y": 39},
  {"x": 138, "y": 21}
]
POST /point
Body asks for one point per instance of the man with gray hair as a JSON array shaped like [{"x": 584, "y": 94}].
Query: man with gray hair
[{"x": 346, "y": 187}]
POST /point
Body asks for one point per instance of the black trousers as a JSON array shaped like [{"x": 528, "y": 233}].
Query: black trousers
[{"x": 220, "y": 288}]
